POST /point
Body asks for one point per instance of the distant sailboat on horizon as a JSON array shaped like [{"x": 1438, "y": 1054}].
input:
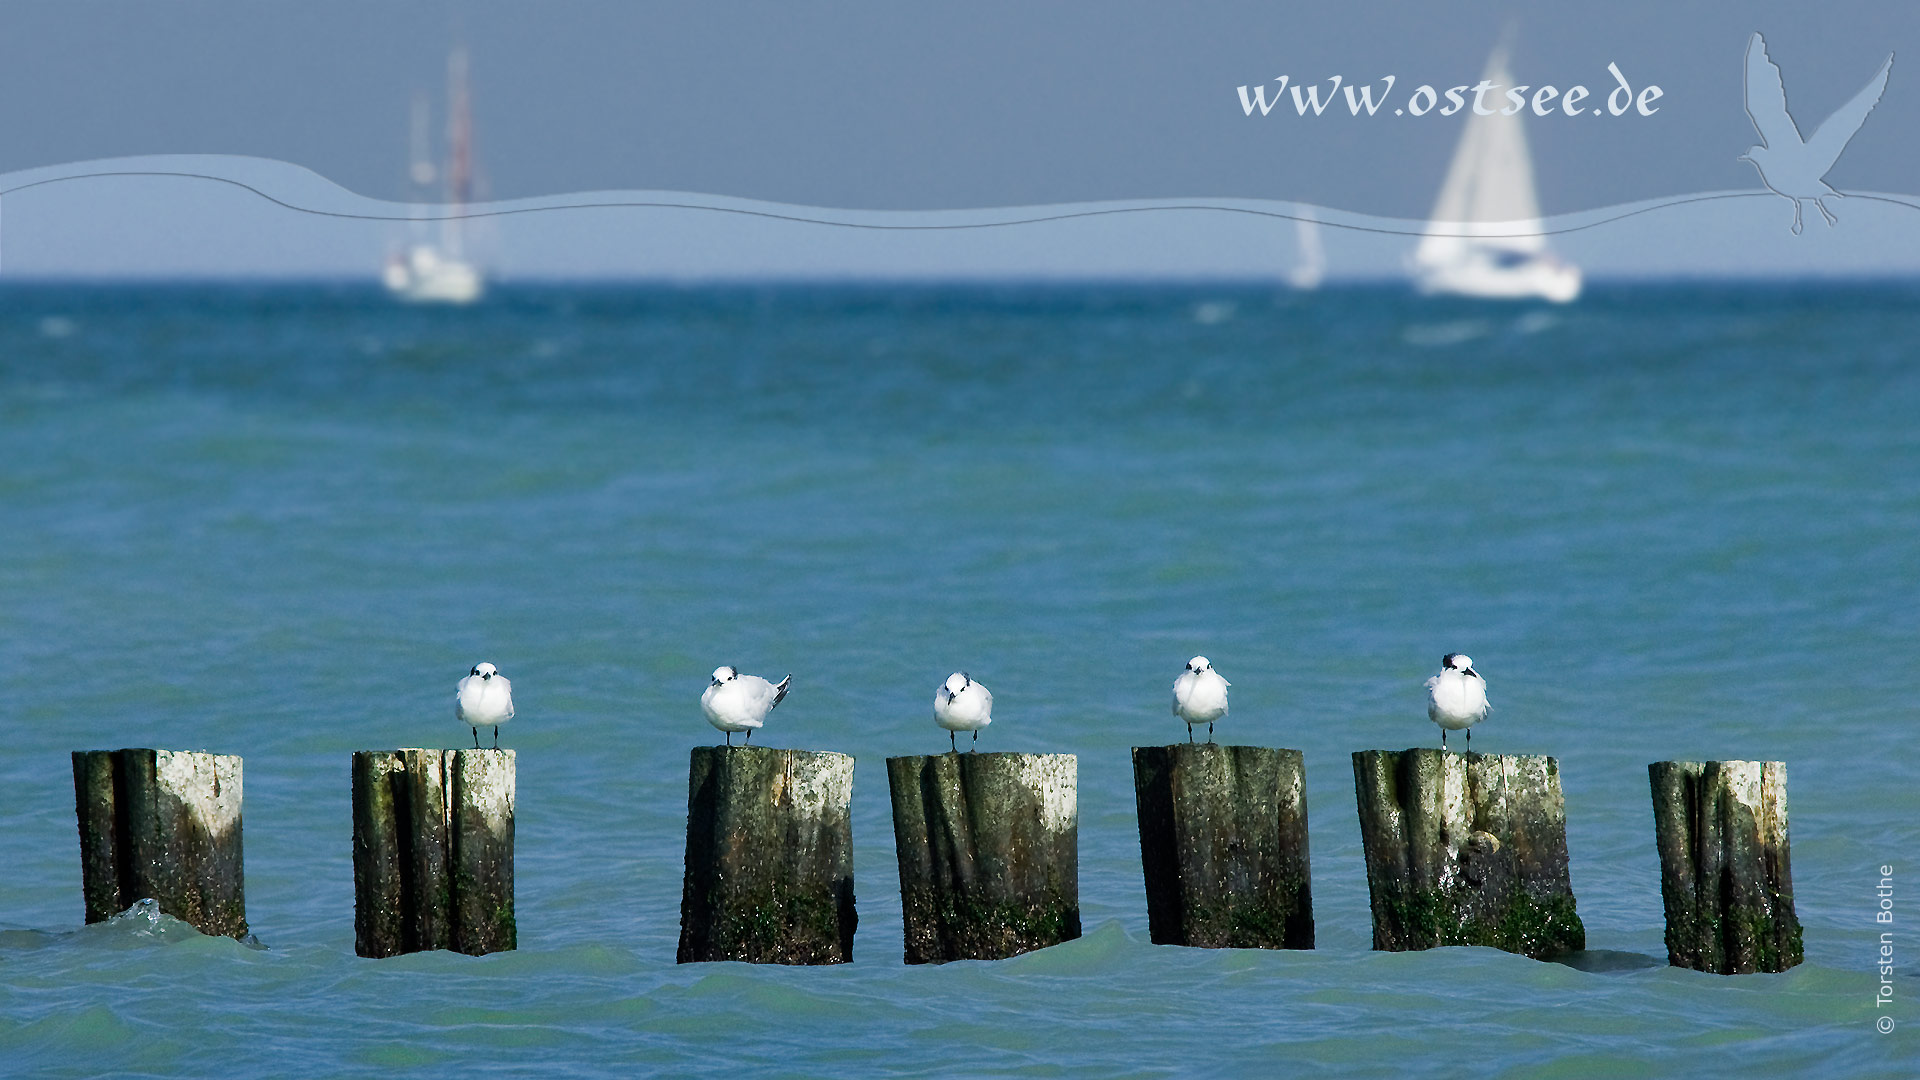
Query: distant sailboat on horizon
[
  {"x": 427, "y": 272},
  {"x": 1484, "y": 238},
  {"x": 1311, "y": 269}
]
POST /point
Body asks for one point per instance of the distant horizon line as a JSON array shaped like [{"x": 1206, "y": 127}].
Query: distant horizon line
[{"x": 1276, "y": 283}]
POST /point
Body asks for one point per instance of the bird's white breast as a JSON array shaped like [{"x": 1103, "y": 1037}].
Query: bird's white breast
[
  {"x": 739, "y": 703},
  {"x": 484, "y": 702},
  {"x": 969, "y": 710},
  {"x": 1456, "y": 701},
  {"x": 1200, "y": 697}
]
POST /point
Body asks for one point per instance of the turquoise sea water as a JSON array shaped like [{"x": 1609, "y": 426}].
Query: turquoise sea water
[{"x": 1668, "y": 522}]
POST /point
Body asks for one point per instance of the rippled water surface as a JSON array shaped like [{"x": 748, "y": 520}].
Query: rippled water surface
[{"x": 1667, "y": 522}]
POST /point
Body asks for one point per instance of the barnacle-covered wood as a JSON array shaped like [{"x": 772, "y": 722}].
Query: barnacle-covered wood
[
  {"x": 1466, "y": 849},
  {"x": 1725, "y": 872},
  {"x": 165, "y": 825},
  {"x": 1223, "y": 843},
  {"x": 988, "y": 846},
  {"x": 433, "y": 851},
  {"x": 769, "y": 871}
]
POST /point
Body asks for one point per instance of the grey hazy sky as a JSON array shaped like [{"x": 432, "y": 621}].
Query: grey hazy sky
[{"x": 891, "y": 106}]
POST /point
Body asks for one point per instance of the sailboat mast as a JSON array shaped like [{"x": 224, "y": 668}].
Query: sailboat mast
[{"x": 459, "y": 148}]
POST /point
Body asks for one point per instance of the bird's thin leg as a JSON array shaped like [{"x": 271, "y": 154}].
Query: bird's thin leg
[
  {"x": 1797, "y": 223},
  {"x": 1209, "y": 731},
  {"x": 748, "y": 741},
  {"x": 1821, "y": 202},
  {"x": 953, "y": 742},
  {"x": 496, "y": 736},
  {"x": 729, "y": 740},
  {"x": 1443, "y": 739},
  {"x": 476, "y": 738},
  {"x": 1469, "y": 740},
  {"x": 975, "y": 748},
  {"x": 1189, "y": 732}
]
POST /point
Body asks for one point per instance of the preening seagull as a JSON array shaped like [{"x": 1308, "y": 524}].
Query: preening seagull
[
  {"x": 962, "y": 705},
  {"x": 484, "y": 699},
  {"x": 1200, "y": 695},
  {"x": 1790, "y": 166},
  {"x": 1457, "y": 697},
  {"x": 735, "y": 702}
]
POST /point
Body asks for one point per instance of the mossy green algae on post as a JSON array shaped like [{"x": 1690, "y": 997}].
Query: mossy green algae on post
[
  {"x": 988, "y": 846},
  {"x": 1223, "y": 845},
  {"x": 1726, "y": 875},
  {"x": 769, "y": 866},
  {"x": 1466, "y": 849}
]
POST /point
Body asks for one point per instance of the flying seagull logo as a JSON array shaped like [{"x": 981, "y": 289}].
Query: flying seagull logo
[{"x": 1790, "y": 166}]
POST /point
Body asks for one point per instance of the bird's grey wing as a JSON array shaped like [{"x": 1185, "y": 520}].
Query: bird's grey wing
[
  {"x": 1767, "y": 98},
  {"x": 1836, "y": 130}
]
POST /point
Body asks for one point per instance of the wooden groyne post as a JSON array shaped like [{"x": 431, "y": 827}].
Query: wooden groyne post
[
  {"x": 1725, "y": 873},
  {"x": 165, "y": 825},
  {"x": 1223, "y": 843},
  {"x": 433, "y": 851},
  {"x": 769, "y": 874},
  {"x": 1466, "y": 849},
  {"x": 989, "y": 853}
]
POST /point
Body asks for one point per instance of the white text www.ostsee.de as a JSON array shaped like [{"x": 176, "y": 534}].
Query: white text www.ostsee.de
[{"x": 1484, "y": 98}]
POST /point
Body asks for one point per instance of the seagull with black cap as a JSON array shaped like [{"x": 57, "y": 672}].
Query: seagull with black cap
[{"x": 1457, "y": 697}]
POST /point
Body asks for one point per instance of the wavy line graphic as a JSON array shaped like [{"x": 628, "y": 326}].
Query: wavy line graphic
[{"x": 299, "y": 190}]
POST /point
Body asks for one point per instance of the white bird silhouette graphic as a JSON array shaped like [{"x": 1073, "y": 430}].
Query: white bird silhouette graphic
[{"x": 1790, "y": 166}]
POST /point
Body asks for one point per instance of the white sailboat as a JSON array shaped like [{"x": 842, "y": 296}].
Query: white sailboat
[
  {"x": 1311, "y": 269},
  {"x": 1484, "y": 237},
  {"x": 429, "y": 272}
]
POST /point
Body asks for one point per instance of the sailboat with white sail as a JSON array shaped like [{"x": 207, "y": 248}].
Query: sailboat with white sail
[
  {"x": 1310, "y": 269},
  {"x": 429, "y": 271},
  {"x": 1485, "y": 236}
]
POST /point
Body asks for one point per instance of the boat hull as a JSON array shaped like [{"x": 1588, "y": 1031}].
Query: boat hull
[
  {"x": 1535, "y": 279},
  {"x": 428, "y": 277}
]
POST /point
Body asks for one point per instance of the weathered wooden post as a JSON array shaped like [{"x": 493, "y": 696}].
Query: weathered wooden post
[
  {"x": 989, "y": 853},
  {"x": 433, "y": 851},
  {"x": 1725, "y": 875},
  {"x": 161, "y": 824},
  {"x": 769, "y": 877},
  {"x": 1466, "y": 849},
  {"x": 1223, "y": 842}
]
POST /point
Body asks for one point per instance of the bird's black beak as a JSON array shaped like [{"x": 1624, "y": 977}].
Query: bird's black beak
[
  {"x": 1473, "y": 673},
  {"x": 486, "y": 675}
]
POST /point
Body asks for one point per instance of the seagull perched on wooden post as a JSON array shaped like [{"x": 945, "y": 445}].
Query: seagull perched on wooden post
[
  {"x": 1200, "y": 695},
  {"x": 735, "y": 702},
  {"x": 484, "y": 698},
  {"x": 1457, "y": 697},
  {"x": 1790, "y": 166},
  {"x": 962, "y": 705}
]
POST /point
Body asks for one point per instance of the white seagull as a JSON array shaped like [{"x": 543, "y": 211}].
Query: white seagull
[
  {"x": 1200, "y": 695},
  {"x": 735, "y": 702},
  {"x": 484, "y": 699},
  {"x": 1457, "y": 697},
  {"x": 1790, "y": 166},
  {"x": 962, "y": 705}
]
